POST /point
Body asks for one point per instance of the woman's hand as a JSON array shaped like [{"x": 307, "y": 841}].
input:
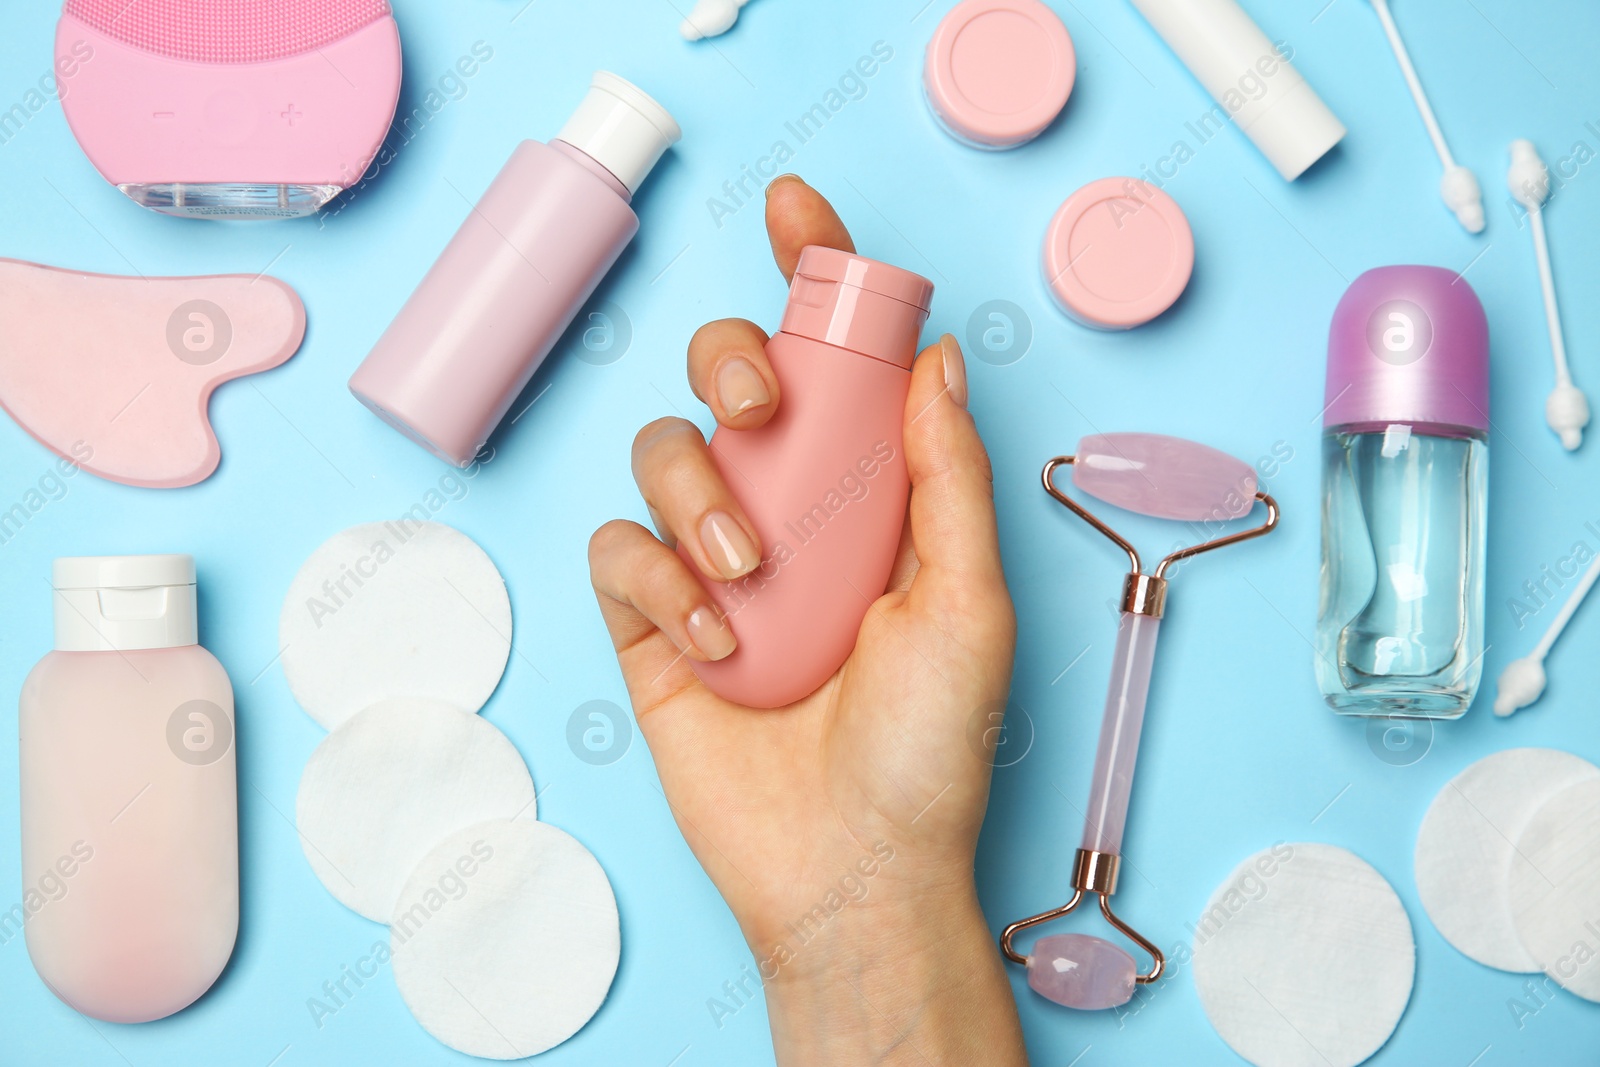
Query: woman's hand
[{"x": 841, "y": 829}]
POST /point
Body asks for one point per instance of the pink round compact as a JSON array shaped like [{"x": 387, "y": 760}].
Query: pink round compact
[
  {"x": 1118, "y": 253},
  {"x": 999, "y": 71}
]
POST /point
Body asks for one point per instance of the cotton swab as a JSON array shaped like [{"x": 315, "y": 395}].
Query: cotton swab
[
  {"x": 1459, "y": 187},
  {"x": 1567, "y": 409},
  {"x": 711, "y": 18},
  {"x": 1523, "y": 680}
]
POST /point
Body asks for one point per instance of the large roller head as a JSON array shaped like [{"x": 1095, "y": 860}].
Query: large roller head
[{"x": 1165, "y": 477}]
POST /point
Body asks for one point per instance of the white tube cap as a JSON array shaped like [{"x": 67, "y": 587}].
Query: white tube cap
[
  {"x": 124, "y": 603},
  {"x": 621, "y": 128}
]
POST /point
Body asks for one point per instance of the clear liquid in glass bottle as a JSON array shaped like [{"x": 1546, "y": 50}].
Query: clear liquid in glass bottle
[
  {"x": 1404, "y": 497},
  {"x": 1400, "y": 630}
]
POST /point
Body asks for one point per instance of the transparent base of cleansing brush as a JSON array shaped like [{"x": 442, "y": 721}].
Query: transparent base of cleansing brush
[{"x": 226, "y": 200}]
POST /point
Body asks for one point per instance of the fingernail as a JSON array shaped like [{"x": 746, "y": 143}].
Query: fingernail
[
  {"x": 740, "y": 387},
  {"x": 728, "y": 545},
  {"x": 955, "y": 369},
  {"x": 774, "y": 183},
  {"x": 710, "y": 634}
]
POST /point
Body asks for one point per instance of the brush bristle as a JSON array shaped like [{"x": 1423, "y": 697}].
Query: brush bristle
[{"x": 227, "y": 31}]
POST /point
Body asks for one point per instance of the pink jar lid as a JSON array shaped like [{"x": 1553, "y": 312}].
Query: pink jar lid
[
  {"x": 999, "y": 71},
  {"x": 1118, "y": 253}
]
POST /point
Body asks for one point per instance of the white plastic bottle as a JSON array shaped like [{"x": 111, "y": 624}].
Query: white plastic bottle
[{"x": 130, "y": 844}]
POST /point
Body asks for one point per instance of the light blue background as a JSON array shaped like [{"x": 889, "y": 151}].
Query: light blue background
[{"x": 1240, "y": 752}]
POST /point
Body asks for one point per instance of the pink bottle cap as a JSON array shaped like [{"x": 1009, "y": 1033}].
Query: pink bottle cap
[
  {"x": 853, "y": 302},
  {"x": 1118, "y": 253},
  {"x": 999, "y": 71},
  {"x": 1409, "y": 345}
]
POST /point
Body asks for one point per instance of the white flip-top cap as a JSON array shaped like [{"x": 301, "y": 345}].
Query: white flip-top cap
[
  {"x": 124, "y": 603},
  {"x": 621, "y": 128}
]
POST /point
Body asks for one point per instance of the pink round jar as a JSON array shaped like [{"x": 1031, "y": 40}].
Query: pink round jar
[
  {"x": 1118, "y": 253},
  {"x": 998, "y": 72}
]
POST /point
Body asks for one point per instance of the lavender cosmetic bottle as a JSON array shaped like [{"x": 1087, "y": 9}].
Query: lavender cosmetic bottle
[{"x": 1404, "y": 488}]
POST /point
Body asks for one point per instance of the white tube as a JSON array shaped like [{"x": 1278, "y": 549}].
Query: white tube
[{"x": 1251, "y": 82}]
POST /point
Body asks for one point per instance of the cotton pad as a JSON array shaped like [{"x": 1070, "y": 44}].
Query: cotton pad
[
  {"x": 505, "y": 939},
  {"x": 391, "y": 782},
  {"x": 1304, "y": 958},
  {"x": 1555, "y": 888},
  {"x": 394, "y": 609},
  {"x": 1466, "y": 846}
]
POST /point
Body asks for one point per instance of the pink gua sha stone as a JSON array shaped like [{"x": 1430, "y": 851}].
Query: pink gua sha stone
[
  {"x": 115, "y": 373},
  {"x": 1081, "y": 971},
  {"x": 1164, "y": 477}
]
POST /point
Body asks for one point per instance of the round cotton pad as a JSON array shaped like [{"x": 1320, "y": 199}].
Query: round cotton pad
[
  {"x": 998, "y": 72},
  {"x": 394, "y": 609},
  {"x": 1555, "y": 888},
  {"x": 1466, "y": 845},
  {"x": 505, "y": 939},
  {"x": 1304, "y": 958},
  {"x": 1118, "y": 253},
  {"x": 391, "y": 782}
]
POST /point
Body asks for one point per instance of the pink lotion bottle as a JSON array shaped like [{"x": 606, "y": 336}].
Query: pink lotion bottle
[
  {"x": 824, "y": 481},
  {"x": 130, "y": 843},
  {"x": 516, "y": 274}
]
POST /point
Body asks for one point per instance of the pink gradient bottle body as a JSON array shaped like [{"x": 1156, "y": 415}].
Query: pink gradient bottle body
[
  {"x": 148, "y": 917},
  {"x": 129, "y": 818},
  {"x": 824, "y": 482},
  {"x": 515, "y": 275}
]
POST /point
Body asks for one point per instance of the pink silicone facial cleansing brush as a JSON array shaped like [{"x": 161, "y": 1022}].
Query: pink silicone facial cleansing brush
[
  {"x": 825, "y": 481},
  {"x": 229, "y": 108}
]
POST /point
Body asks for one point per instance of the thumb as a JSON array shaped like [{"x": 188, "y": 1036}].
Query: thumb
[{"x": 952, "y": 486}]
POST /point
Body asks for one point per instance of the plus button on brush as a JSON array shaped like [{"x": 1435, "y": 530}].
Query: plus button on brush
[{"x": 291, "y": 114}]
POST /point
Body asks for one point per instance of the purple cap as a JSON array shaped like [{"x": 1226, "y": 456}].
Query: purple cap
[{"x": 1409, "y": 345}]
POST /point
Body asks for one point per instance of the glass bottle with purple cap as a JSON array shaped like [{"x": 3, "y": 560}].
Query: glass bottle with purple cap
[{"x": 1404, "y": 487}]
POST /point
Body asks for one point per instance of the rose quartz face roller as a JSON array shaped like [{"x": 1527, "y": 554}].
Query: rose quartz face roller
[{"x": 1167, "y": 478}]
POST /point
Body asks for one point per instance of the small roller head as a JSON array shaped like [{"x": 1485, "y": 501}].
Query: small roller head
[{"x": 1080, "y": 971}]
